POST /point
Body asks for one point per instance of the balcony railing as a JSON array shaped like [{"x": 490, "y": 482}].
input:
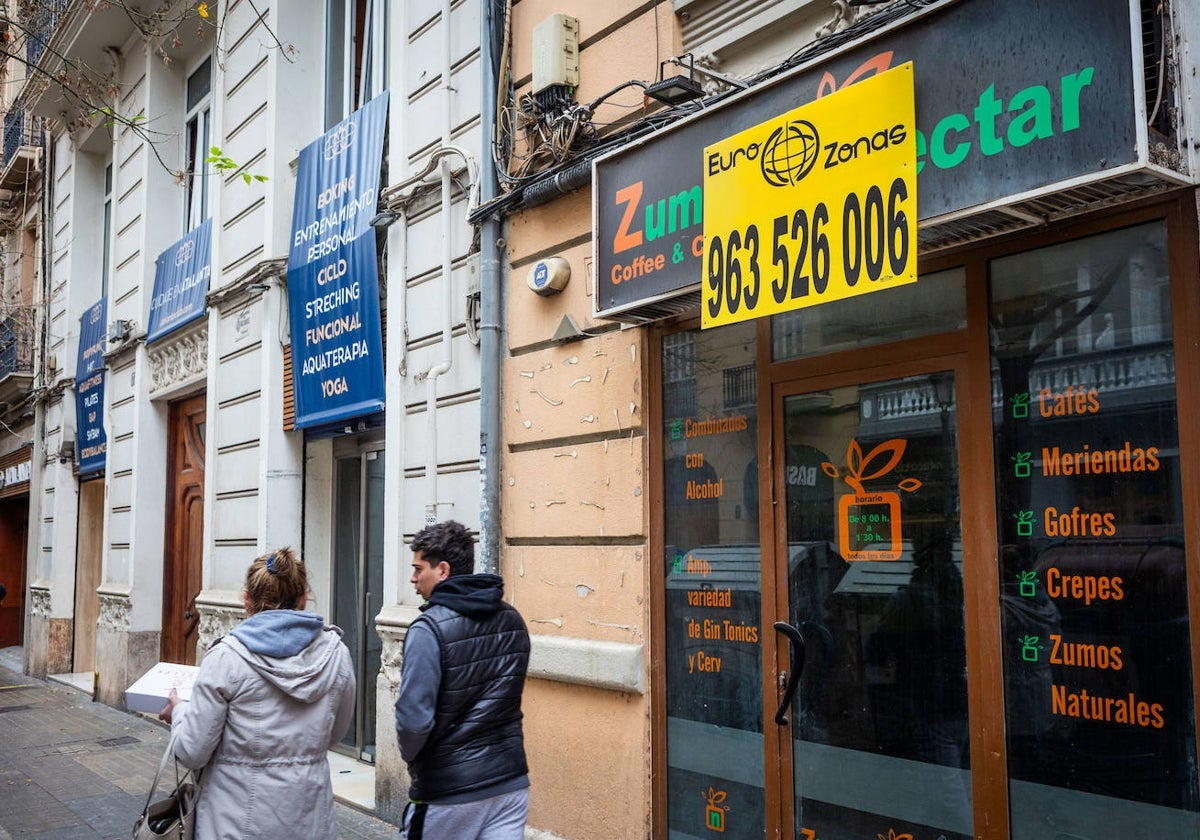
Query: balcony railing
[
  {"x": 740, "y": 386},
  {"x": 38, "y": 20},
  {"x": 1128, "y": 377},
  {"x": 20, "y": 129},
  {"x": 16, "y": 343}
]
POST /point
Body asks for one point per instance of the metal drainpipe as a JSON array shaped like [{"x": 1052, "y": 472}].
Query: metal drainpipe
[
  {"x": 491, "y": 311},
  {"x": 32, "y": 557},
  {"x": 442, "y": 367}
]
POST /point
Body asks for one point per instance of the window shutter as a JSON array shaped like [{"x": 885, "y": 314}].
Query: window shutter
[{"x": 289, "y": 395}]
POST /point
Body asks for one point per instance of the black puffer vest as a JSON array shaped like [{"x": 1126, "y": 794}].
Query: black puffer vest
[{"x": 476, "y": 740}]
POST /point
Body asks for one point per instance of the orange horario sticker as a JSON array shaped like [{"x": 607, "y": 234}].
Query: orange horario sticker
[{"x": 869, "y": 521}]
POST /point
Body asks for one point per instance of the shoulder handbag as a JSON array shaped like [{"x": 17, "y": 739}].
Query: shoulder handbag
[{"x": 174, "y": 815}]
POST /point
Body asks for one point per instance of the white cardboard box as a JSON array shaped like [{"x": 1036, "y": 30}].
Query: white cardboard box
[{"x": 149, "y": 693}]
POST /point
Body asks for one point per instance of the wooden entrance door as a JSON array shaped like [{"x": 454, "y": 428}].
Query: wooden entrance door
[
  {"x": 14, "y": 514},
  {"x": 89, "y": 555},
  {"x": 184, "y": 529}
]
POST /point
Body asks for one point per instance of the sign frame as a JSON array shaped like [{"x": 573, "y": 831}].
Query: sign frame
[{"x": 1117, "y": 105}]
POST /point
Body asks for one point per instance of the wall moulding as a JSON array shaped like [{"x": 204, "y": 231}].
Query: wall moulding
[
  {"x": 39, "y": 601},
  {"x": 179, "y": 361},
  {"x": 255, "y": 281},
  {"x": 220, "y": 612},
  {"x": 115, "y": 611}
]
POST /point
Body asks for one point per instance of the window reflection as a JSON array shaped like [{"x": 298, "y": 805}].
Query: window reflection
[
  {"x": 936, "y": 303},
  {"x": 875, "y": 590},
  {"x": 1095, "y": 625},
  {"x": 711, "y": 568}
]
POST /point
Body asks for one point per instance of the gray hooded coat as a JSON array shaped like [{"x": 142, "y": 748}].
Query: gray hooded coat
[{"x": 269, "y": 701}]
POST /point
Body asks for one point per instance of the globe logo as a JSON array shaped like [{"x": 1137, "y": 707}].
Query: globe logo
[{"x": 789, "y": 153}]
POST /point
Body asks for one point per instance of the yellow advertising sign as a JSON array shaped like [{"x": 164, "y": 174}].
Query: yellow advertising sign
[{"x": 817, "y": 204}]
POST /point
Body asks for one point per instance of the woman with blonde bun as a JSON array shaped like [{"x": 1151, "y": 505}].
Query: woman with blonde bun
[{"x": 270, "y": 699}]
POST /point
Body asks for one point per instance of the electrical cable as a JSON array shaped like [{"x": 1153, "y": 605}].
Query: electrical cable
[
  {"x": 1162, "y": 57},
  {"x": 591, "y": 106},
  {"x": 556, "y": 142}
]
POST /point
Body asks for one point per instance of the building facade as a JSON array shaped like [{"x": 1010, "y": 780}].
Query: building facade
[
  {"x": 168, "y": 441},
  {"x": 816, "y": 374},
  {"x": 861, "y": 417},
  {"x": 21, "y": 293}
]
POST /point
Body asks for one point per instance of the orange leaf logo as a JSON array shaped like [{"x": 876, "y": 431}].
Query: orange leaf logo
[
  {"x": 878, "y": 462},
  {"x": 875, "y": 64},
  {"x": 715, "y": 797}
]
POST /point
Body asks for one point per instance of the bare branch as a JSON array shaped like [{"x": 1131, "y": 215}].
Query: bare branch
[{"x": 95, "y": 97}]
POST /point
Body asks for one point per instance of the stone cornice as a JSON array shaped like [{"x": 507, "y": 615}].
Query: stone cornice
[{"x": 254, "y": 281}]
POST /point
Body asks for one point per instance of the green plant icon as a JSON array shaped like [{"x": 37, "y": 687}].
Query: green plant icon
[
  {"x": 1027, "y": 583},
  {"x": 1020, "y": 405},
  {"x": 1025, "y": 520},
  {"x": 1022, "y": 464}
]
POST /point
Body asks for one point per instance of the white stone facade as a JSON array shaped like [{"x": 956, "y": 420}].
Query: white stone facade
[{"x": 264, "y": 485}]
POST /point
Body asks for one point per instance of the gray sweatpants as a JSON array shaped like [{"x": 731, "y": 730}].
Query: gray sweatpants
[{"x": 497, "y": 818}]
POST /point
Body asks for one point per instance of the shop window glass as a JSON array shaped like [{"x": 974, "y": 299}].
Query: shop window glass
[
  {"x": 1098, "y": 682},
  {"x": 936, "y": 303},
  {"x": 712, "y": 579},
  {"x": 878, "y": 721}
]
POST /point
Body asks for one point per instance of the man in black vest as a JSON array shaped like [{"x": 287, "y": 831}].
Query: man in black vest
[{"x": 458, "y": 716}]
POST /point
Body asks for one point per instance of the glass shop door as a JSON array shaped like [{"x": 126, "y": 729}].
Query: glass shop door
[
  {"x": 869, "y": 623},
  {"x": 358, "y": 578},
  {"x": 814, "y": 635}
]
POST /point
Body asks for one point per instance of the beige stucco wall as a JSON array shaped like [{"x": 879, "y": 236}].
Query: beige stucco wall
[
  {"x": 575, "y": 494},
  {"x": 574, "y": 516},
  {"x": 588, "y": 767}
]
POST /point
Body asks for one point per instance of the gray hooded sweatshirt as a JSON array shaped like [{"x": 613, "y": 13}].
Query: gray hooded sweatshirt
[{"x": 269, "y": 701}]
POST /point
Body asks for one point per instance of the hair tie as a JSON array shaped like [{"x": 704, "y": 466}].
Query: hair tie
[{"x": 271, "y": 564}]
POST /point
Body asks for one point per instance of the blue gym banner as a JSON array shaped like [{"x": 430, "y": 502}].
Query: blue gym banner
[
  {"x": 90, "y": 440},
  {"x": 181, "y": 276},
  {"x": 333, "y": 273}
]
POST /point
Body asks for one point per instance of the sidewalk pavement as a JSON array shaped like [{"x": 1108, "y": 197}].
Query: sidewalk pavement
[{"x": 72, "y": 769}]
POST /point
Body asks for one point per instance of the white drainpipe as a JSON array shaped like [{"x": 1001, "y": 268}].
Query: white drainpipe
[{"x": 433, "y": 503}]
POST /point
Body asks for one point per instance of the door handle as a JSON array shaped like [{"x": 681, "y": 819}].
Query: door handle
[
  {"x": 188, "y": 615},
  {"x": 796, "y": 649}
]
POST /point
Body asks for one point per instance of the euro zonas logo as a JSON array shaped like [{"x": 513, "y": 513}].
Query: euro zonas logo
[
  {"x": 792, "y": 150},
  {"x": 789, "y": 153},
  {"x": 785, "y": 157}
]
